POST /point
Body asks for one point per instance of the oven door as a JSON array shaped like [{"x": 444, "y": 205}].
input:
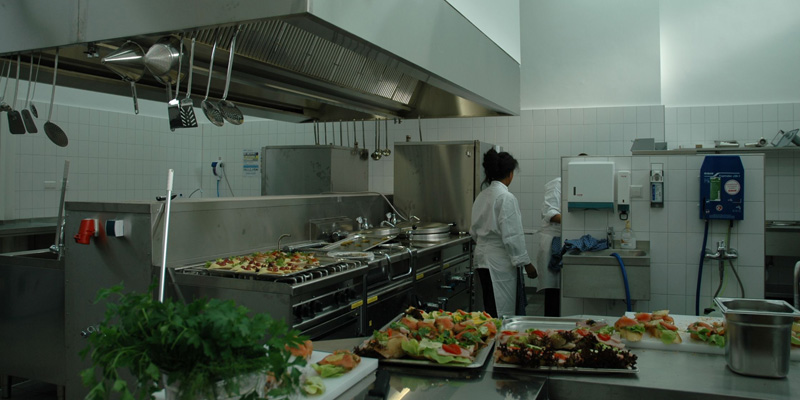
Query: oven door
[
  {"x": 384, "y": 305},
  {"x": 343, "y": 326}
]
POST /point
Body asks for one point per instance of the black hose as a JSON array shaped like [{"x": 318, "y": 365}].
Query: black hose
[
  {"x": 741, "y": 287},
  {"x": 700, "y": 270}
]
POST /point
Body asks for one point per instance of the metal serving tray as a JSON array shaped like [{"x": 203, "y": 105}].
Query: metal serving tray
[
  {"x": 358, "y": 243},
  {"x": 480, "y": 358},
  {"x": 520, "y": 323},
  {"x": 323, "y": 262}
]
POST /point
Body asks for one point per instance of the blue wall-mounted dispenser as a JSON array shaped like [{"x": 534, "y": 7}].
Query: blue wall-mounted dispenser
[{"x": 722, "y": 188}]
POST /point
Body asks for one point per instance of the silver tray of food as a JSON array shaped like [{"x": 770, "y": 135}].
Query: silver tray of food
[
  {"x": 562, "y": 345},
  {"x": 268, "y": 264},
  {"x": 358, "y": 243},
  {"x": 477, "y": 361}
]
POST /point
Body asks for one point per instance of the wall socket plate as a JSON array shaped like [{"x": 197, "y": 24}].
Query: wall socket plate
[{"x": 636, "y": 191}]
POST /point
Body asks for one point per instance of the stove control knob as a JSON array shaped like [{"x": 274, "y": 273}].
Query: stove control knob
[
  {"x": 307, "y": 310},
  {"x": 351, "y": 294},
  {"x": 298, "y": 312},
  {"x": 317, "y": 306}
]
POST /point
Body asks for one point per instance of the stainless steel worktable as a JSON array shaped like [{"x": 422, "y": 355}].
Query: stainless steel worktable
[{"x": 662, "y": 375}]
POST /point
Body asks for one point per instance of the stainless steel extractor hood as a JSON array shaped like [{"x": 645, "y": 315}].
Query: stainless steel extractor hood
[{"x": 296, "y": 60}]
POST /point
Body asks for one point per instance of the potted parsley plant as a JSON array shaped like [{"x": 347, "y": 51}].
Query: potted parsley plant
[{"x": 207, "y": 349}]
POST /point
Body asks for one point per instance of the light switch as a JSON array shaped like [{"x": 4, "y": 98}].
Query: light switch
[{"x": 115, "y": 228}]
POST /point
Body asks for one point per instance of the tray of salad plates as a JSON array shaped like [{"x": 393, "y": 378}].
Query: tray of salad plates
[
  {"x": 661, "y": 330},
  {"x": 562, "y": 345},
  {"x": 438, "y": 339}
]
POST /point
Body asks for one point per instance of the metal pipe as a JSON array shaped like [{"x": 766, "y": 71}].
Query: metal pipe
[
  {"x": 162, "y": 276},
  {"x": 797, "y": 285}
]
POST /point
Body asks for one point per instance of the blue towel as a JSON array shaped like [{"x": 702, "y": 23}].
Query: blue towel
[
  {"x": 585, "y": 243},
  {"x": 555, "y": 255}
]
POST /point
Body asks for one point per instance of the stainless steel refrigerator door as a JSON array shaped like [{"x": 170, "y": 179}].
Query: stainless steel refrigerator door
[
  {"x": 297, "y": 170},
  {"x": 438, "y": 181}
]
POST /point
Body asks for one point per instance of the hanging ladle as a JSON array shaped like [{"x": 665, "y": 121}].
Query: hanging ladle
[
  {"x": 210, "y": 109},
  {"x": 3, "y": 105},
  {"x": 34, "y": 111},
  {"x": 230, "y": 112},
  {"x": 52, "y": 130},
  {"x": 386, "y": 151},
  {"x": 377, "y": 154},
  {"x": 364, "y": 151},
  {"x": 27, "y": 118}
]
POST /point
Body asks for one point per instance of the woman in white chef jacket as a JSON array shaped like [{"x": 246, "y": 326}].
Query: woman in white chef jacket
[
  {"x": 497, "y": 230},
  {"x": 543, "y": 244}
]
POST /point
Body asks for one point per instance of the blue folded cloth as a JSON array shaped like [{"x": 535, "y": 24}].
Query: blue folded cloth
[
  {"x": 585, "y": 243},
  {"x": 555, "y": 255}
]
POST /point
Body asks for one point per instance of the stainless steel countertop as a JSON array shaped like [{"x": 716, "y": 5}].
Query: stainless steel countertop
[{"x": 662, "y": 375}]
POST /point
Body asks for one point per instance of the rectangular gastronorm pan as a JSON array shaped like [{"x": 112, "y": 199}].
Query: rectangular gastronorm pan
[
  {"x": 521, "y": 323},
  {"x": 323, "y": 261},
  {"x": 358, "y": 243},
  {"x": 480, "y": 358}
]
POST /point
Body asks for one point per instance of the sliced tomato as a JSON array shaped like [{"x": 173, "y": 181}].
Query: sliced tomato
[
  {"x": 452, "y": 348},
  {"x": 669, "y": 326},
  {"x": 604, "y": 337},
  {"x": 539, "y": 333},
  {"x": 643, "y": 317},
  {"x": 624, "y": 321},
  {"x": 510, "y": 333},
  {"x": 389, "y": 332},
  {"x": 561, "y": 356},
  {"x": 582, "y": 332}
]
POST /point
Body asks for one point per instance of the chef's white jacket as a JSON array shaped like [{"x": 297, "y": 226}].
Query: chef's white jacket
[
  {"x": 543, "y": 239},
  {"x": 497, "y": 230}
]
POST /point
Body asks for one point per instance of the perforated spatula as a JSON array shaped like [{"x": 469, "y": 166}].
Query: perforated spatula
[{"x": 188, "y": 119}]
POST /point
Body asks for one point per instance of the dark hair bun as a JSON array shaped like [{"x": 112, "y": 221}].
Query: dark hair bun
[{"x": 498, "y": 166}]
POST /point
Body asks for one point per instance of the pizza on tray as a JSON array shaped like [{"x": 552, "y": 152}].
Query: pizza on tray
[{"x": 266, "y": 263}]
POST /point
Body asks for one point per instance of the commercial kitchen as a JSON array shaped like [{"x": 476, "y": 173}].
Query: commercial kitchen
[{"x": 141, "y": 140}]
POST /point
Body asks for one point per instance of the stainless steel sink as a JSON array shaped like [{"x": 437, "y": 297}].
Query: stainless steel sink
[
  {"x": 640, "y": 256},
  {"x": 595, "y": 274}
]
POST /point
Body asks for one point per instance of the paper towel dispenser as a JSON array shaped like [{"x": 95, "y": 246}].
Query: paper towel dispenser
[{"x": 590, "y": 185}]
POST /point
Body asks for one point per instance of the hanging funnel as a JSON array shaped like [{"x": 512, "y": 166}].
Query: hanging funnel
[{"x": 127, "y": 61}]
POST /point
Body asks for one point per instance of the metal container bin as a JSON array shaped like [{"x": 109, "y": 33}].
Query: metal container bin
[{"x": 758, "y": 335}]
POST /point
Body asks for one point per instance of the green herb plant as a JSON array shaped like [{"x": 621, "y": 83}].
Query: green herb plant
[{"x": 202, "y": 346}]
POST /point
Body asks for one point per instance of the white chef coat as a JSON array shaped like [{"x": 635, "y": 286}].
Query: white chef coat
[
  {"x": 543, "y": 238},
  {"x": 497, "y": 230}
]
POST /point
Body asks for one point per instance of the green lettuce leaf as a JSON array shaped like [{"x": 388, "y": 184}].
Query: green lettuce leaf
[
  {"x": 314, "y": 385},
  {"x": 795, "y": 340},
  {"x": 328, "y": 370},
  {"x": 635, "y": 328},
  {"x": 411, "y": 347},
  {"x": 668, "y": 336},
  {"x": 609, "y": 329},
  {"x": 431, "y": 354}
]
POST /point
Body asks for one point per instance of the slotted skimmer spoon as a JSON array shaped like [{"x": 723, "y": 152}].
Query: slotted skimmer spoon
[
  {"x": 188, "y": 119},
  {"x": 230, "y": 112},
  {"x": 210, "y": 109},
  {"x": 15, "y": 124},
  {"x": 27, "y": 118},
  {"x": 53, "y": 131},
  {"x": 34, "y": 111}
]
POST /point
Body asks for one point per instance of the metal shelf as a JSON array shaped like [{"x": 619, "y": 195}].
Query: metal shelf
[{"x": 713, "y": 150}]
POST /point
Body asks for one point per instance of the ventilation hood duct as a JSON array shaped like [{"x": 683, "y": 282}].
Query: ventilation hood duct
[{"x": 296, "y": 60}]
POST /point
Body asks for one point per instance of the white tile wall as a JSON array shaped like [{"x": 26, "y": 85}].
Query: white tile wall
[
  {"x": 113, "y": 156},
  {"x": 675, "y": 233}
]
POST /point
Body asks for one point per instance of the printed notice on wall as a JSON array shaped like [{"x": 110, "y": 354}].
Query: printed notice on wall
[{"x": 250, "y": 163}]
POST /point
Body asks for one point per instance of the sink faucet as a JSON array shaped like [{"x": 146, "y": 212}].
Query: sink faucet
[{"x": 610, "y": 237}]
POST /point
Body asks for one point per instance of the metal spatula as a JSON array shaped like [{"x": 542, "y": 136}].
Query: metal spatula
[
  {"x": 15, "y": 124},
  {"x": 174, "y": 106},
  {"x": 3, "y": 105},
  {"x": 188, "y": 119}
]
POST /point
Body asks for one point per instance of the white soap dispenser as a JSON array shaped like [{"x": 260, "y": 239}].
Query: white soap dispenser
[{"x": 628, "y": 240}]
